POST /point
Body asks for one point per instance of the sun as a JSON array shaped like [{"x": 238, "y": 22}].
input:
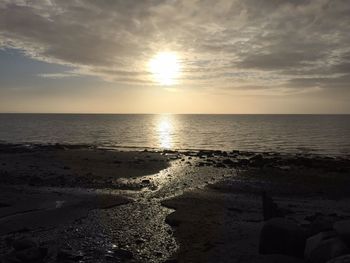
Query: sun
[{"x": 165, "y": 67}]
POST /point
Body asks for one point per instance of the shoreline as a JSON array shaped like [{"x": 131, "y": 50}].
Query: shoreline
[
  {"x": 33, "y": 145},
  {"x": 191, "y": 151},
  {"x": 84, "y": 166},
  {"x": 126, "y": 199}
]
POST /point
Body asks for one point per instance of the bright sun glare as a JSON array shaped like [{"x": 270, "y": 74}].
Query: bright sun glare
[{"x": 165, "y": 67}]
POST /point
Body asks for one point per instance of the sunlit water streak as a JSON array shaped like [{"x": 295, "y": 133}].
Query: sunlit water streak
[
  {"x": 165, "y": 128},
  {"x": 324, "y": 134}
]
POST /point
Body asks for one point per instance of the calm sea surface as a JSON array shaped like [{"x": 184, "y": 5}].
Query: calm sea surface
[{"x": 321, "y": 134}]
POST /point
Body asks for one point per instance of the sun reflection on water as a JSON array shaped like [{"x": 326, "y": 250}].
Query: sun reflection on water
[{"x": 164, "y": 129}]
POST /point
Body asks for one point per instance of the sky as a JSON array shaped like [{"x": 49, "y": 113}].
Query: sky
[{"x": 233, "y": 56}]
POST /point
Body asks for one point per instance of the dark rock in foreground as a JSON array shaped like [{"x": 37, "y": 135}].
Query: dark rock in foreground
[
  {"x": 282, "y": 236},
  {"x": 324, "y": 246},
  {"x": 341, "y": 259},
  {"x": 270, "y": 208},
  {"x": 343, "y": 229}
]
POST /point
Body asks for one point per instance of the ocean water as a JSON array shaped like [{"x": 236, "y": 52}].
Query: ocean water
[{"x": 319, "y": 134}]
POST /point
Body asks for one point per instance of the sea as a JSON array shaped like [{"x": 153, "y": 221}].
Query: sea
[{"x": 307, "y": 134}]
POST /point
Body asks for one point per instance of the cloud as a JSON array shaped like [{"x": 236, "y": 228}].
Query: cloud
[
  {"x": 233, "y": 44},
  {"x": 58, "y": 75}
]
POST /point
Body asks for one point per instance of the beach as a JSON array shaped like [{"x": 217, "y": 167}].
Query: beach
[
  {"x": 174, "y": 131},
  {"x": 88, "y": 204}
]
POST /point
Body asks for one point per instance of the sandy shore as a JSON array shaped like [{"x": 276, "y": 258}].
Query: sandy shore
[{"x": 142, "y": 206}]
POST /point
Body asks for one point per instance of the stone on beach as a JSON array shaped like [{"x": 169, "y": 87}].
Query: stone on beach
[
  {"x": 257, "y": 160},
  {"x": 243, "y": 162},
  {"x": 343, "y": 229},
  {"x": 146, "y": 182},
  {"x": 324, "y": 246},
  {"x": 314, "y": 241},
  {"x": 270, "y": 208},
  {"x": 282, "y": 236},
  {"x": 322, "y": 223},
  {"x": 228, "y": 162},
  {"x": 341, "y": 259},
  {"x": 172, "y": 220}
]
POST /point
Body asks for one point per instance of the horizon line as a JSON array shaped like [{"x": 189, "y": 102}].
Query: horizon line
[{"x": 116, "y": 113}]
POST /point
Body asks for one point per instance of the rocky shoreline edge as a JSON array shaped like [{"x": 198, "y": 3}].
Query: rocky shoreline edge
[{"x": 216, "y": 196}]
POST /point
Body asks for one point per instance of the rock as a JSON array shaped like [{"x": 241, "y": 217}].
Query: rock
[
  {"x": 146, "y": 182},
  {"x": 324, "y": 246},
  {"x": 322, "y": 223},
  {"x": 313, "y": 217},
  {"x": 343, "y": 229},
  {"x": 200, "y": 154},
  {"x": 270, "y": 208},
  {"x": 314, "y": 241},
  {"x": 341, "y": 259},
  {"x": 228, "y": 162},
  {"x": 243, "y": 162},
  {"x": 303, "y": 161},
  {"x": 282, "y": 236},
  {"x": 172, "y": 220},
  {"x": 24, "y": 243},
  {"x": 258, "y": 161},
  {"x": 58, "y": 146},
  {"x": 220, "y": 165}
]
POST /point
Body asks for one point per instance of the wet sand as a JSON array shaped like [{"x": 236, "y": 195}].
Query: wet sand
[
  {"x": 75, "y": 166},
  {"x": 141, "y": 206}
]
